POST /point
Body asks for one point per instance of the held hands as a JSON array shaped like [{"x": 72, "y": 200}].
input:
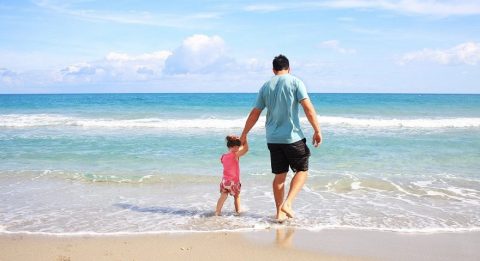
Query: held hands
[
  {"x": 244, "y": 146},
  {"x": 243, "y": 139},
  {"x": 317, "y": 139}
]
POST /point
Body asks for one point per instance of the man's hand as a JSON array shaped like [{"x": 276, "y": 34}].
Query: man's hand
[
  {"x": 317, "y": 139},
  {"x": 243, "y": 139},
  {"x": 312, "y": 118}
]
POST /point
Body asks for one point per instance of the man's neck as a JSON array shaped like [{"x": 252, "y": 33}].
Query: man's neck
[{"x": 281, "y": 72}]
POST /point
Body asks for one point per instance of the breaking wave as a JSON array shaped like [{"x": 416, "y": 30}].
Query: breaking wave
[{"x": 56, "y": 120}]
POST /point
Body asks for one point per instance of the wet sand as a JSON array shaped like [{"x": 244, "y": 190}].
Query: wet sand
[{"x": 273, "y": 244}]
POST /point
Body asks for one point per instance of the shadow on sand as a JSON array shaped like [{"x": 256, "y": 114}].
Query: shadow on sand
[
  {"x": 183, "y": 212},
  {"x": 165, "y": 210}
]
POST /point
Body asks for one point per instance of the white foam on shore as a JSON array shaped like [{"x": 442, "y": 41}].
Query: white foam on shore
[
  {"x": 125, "y": 233},
  {"x": 239, "y": 230},
  {"x": 431, "y": 230},
  {"x": 350, "y": 202},
  {"x": 49, "y": 120}
]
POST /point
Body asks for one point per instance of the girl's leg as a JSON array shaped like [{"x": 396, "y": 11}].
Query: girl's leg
[
  {"x": 220, "y": 202},
  {"x": 237, "y": 203}
]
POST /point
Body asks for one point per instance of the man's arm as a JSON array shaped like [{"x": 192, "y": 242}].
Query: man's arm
[
  {"x": 251, "y": 120},
  {"x": 243, "y": 149},
  {"x": 312, "y": 118}
]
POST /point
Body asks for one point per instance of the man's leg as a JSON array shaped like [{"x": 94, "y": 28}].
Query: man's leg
[
  {"x": 295, "y": 186},
  {"x": 278, "y": 193}
]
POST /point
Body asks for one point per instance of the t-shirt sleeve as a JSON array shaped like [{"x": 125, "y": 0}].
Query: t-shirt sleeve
[
  {"x": 301, "y": 91},
  {"x": 260, "y": 103}
]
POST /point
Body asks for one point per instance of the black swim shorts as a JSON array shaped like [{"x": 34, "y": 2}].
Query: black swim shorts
[{"x": 294, "y": 155}]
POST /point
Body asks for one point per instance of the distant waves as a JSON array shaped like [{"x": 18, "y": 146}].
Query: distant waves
[{"x": 59, "y": 120}]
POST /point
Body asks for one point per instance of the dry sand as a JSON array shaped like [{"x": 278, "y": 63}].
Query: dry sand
[{"x": 274, "y": 244}]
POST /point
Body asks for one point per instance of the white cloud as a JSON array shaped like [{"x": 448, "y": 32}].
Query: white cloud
[
  {"x": 335, "y": 45},
  {"x": 130, "y": 17},
  {"x": 200, "y": 61},
  {"x": 83, "y": 72},
  {"x": 346, "y": 19},
  {"x": 137, "y": 67},
  {"x": 264, "y": 8},
  {"x": 116, "y": 67},
  {"x": 79, "y": 69},
  {"x": 433, "y": 7},
  {"x": 146, "y": 57},
  {"x": 8, "y": 77},
  {"x": 466, "y": 53},
  {"x": 199, "y": 54},
  {"x": 421, "y": 7},
  {"x": 255, "y": 65}
]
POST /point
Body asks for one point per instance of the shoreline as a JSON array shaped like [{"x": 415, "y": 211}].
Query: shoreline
[
  {"x": 281, "y": 243},
  {"x": 414, "y": 232}
]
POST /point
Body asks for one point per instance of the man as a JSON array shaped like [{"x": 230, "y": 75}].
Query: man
[{"x": 281, "y": 95}]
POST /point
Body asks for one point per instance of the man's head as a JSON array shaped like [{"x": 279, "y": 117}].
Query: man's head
[{"x": 280, "y": 63}]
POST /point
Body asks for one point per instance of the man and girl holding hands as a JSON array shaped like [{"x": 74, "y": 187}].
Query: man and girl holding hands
[{"x": 282, "y": 96}]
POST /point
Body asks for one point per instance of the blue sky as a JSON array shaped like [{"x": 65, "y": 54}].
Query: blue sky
[{"x": 397, "y": 46}]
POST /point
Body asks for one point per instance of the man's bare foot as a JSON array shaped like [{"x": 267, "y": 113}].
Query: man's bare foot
[
  {"x": 287, "y": 209},
  {"x": 281, "y": 217}
]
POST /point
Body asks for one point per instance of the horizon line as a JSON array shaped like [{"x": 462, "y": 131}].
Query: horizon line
[{"x": 78, "y": 93}]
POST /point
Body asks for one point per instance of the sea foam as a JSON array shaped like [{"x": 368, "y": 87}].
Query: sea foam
[{"x": 57, "y": 120}]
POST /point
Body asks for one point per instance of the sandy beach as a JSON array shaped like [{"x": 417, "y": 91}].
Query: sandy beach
[{"x": 279, "y": 244}]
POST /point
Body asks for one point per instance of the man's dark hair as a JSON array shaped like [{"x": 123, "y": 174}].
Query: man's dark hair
[{"x": 280, "y": 63}]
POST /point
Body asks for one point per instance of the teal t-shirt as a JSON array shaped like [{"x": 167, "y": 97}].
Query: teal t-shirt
[{"x": 281, "y": 96}]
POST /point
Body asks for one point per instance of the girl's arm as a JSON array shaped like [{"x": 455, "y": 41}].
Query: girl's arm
[{"x": 243, "y": 149}]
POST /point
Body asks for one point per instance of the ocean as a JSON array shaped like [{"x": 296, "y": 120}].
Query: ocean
[{"x": 150, "y": 163}]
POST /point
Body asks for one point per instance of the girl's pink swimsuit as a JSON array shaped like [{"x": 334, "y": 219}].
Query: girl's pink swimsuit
[{"x": 231, "y": 174}]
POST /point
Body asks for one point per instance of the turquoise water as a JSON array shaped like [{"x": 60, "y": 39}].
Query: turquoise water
[{"x": 110, "y": 163}]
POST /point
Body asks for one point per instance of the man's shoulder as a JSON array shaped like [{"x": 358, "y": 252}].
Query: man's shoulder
[
  {"x": 293, "y": 81},
  {"x": 295, "y": 78},
  {"x": 267, "y": 84},
  {"x": 286, "y": 79}
]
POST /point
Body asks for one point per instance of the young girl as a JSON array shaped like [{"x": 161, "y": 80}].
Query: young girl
[{"x": 231, "y": 172}]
